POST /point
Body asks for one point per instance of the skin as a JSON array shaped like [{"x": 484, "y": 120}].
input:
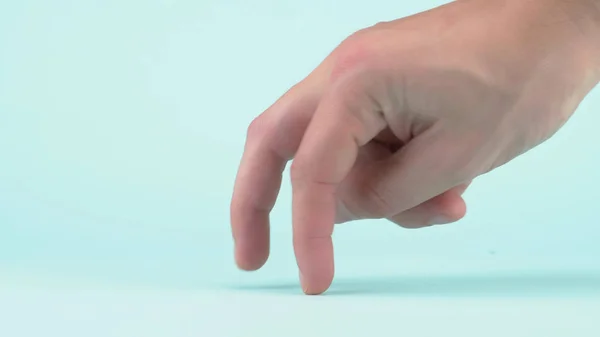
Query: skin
[{"x": 401, "y": 117}]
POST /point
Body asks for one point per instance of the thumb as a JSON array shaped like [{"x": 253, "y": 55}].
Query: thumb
[
  {"x": 424, "y": 173},
  {"x": 445, "y": 208}
]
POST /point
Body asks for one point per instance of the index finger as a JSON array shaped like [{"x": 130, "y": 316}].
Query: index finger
[
  {"x": 326, "y": 155},
  {"x": 273, "y": 139}
]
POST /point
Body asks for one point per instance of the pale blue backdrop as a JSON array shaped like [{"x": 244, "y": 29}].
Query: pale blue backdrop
[{"x": 121, "y": 127}]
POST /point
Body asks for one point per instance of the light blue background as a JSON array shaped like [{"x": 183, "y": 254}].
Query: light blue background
[{"x": 121, "y": 127}]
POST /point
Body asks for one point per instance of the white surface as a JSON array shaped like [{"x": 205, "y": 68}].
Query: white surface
[{"x": 90, "y": 312}]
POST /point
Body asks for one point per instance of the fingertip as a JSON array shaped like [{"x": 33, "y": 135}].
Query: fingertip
[
  {"x": 251, "y": 256},
  {"x": 314, "y": 292},
  {"x": 314, "y": 217},
  {"x": 316, "y": 264},
  {"x": 253, "y": 263},
  {"x": 315, "y": 287},
  {"x": 452, "y": 208},
  {"x": 455, "y": 208}
]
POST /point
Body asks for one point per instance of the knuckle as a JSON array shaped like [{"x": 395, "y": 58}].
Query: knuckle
[
  {"x": 297, "y": 171},
  {"x": 377, "y": 202},
  {"x": 382, "y": 25},
  {"x": 459, "y": 171},
  {"x": 467, "y": 165},
  {"x": 256, "y": 129},
  {"x": 303, "y": 174},
  {"x": 463, "y": 157},
  {"x": 355, "y": 54}
]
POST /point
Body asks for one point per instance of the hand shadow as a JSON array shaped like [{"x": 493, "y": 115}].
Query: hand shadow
[{"x": 515, "y": 284}]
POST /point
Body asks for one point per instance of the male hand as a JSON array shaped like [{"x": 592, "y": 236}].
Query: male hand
[{"x": 402, "y": 116}]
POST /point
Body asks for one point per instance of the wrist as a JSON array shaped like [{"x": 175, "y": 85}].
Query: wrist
[
  {"x": 561, "y": 41},
  {"x": 573, "y": 27},
  {"x": 584, "y": 18}
]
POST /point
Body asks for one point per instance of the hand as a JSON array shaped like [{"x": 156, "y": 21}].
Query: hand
[{"x": 400, "y": 117}]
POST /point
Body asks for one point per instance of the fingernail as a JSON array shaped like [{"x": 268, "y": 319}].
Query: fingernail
[
  {"x": 302, "y": 282},
  {"x": 439, "y": 220}
]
